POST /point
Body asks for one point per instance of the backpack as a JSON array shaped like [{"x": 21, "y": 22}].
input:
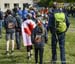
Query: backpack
[
  {"x": 39, "y": 34},
  {"x": 10, "y": 24},
  {"x": 18, "y": 23},
  {"x": 60, "y": 24}
]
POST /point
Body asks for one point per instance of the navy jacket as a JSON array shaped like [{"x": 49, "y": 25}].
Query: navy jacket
[
  {"x": 19, "y": 22},
  {"x": 44, "y": 37}
]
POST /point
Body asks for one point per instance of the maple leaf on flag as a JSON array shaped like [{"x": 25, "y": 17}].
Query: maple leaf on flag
[
  {"x": 30, "y": 25},
  {"x": 27, "y": 30}
]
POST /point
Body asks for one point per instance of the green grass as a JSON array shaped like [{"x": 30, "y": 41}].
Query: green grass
[{"x": 19, "y": 56}]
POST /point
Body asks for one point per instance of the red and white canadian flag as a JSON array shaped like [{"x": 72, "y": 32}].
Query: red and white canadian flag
[{"x": 27, "y": 27}]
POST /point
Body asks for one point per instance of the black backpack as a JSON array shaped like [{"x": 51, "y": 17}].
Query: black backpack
[{"x": 19, "y": 21}]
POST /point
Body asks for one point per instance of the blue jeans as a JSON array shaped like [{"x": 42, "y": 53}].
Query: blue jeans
[
  {"x": 18, "y": 40},
  {"x": 39, "y": 52},
  {"x": 1, "y": 28},
  {"x": 61, "y": 39}
]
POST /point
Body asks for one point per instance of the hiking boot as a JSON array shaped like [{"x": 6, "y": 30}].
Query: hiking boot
[
  {"x": 31, "y": 55},
  {"x": 28, "y": 57},
  {"x": 12, "y": 52},
  {"x": 7, "y": 53},
  {"x": 18, "y": 48}
]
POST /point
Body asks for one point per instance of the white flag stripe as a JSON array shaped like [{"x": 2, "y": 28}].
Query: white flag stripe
[{"x": 26, "y": 37}]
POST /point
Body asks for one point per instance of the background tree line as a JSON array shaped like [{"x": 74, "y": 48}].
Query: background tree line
[{"x": 49, "y": 2}]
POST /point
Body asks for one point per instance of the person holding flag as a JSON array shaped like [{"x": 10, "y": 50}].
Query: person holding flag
[{"x": 27, "y": 26}]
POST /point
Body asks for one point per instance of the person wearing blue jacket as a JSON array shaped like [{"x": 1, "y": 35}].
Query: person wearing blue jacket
[
  {"x": 20, "y": 12},
  {"x": 39, "y": 38},
  {"x": 9, "y": 24},
  {"x": 24, "y": 13},
  {"x": 57, "y": 37}
]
